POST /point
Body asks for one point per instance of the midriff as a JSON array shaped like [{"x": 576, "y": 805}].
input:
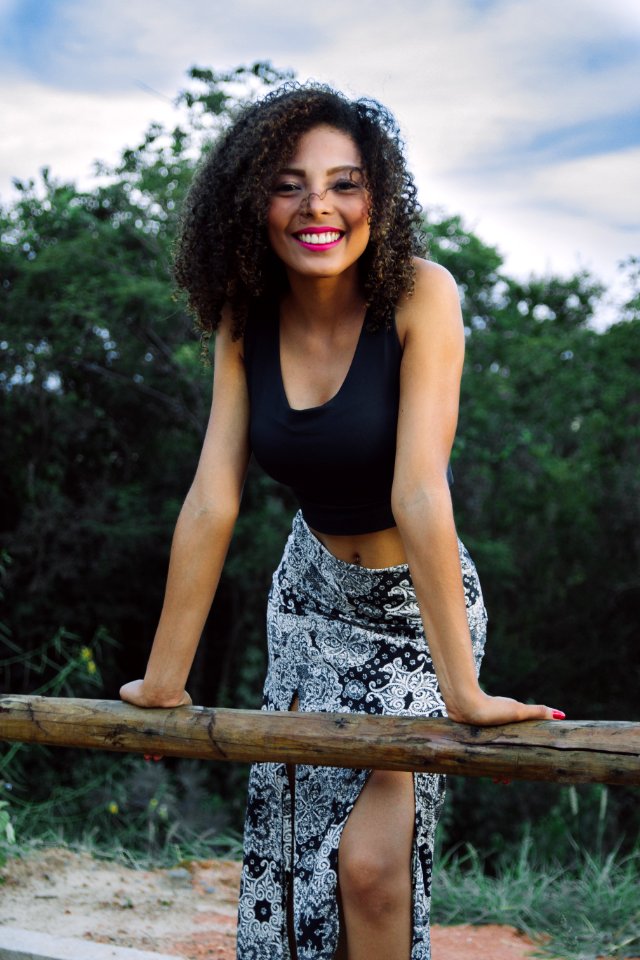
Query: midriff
[{"x": 384, "y": 548}]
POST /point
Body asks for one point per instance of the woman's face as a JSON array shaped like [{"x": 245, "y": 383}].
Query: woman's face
[{"x": 318, "y": 221}]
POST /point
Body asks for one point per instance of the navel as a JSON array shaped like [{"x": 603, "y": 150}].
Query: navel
[{"x": 357, "y": 559}]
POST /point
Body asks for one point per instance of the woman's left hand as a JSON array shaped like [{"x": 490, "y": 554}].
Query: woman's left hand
[
  {"x": 486, "y": 711},
  {"x": 136, "y": 693}
]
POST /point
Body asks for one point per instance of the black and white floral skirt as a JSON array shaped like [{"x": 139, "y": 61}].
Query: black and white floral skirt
[{"x": 342, "y": 638}]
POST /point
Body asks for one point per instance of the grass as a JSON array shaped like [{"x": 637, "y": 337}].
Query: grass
[
  {"x": 170, "y": 853},
  {"x": 589, "y": 910},
  {"x": 146, "y": 815},
  {"x": 125, "y": 809}
]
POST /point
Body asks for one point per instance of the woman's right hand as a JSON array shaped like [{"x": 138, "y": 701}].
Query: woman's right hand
[
  {"x": 486, "y": 711},
  {"x": 134, "y": 692}
]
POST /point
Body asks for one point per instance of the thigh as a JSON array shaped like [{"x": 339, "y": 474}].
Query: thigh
[{"x": 378, "y": 834}]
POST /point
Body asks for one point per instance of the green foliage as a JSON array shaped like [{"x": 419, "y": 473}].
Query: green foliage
[
  {"x": 122, "y": 807},
  {"x": 581, "y": 913},
  {"x": 105, "y": 403},
  {"x": 7, "y": 832},
  {"x": 105, "y": 399},
  {"x": 113, "y": 804},
  {"x": 547, "y": 482},
  {"x": 547, "y": 497}
]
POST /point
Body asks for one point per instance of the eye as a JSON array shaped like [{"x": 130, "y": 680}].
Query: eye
[
  {"x": 346, "y": 186},
  {"x": 286, "y": 188}
]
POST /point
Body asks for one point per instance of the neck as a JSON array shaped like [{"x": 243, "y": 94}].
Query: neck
[{"x": 324, "y": 301}]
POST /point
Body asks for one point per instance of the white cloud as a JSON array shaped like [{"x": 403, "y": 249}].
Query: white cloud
[
  {"x": 106, "y": 45},
  {"x": 473, "y": 85},
  {"x": 468, "y": 86},
  {"x": 605, "y": 188},
  {"x": 68, "y": 131}
]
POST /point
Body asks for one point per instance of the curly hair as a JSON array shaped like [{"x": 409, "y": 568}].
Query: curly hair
[{"x": 223, "y": 253}]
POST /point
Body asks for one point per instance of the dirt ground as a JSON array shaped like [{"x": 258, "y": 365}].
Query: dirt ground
[{"x": 188, "y": 911}]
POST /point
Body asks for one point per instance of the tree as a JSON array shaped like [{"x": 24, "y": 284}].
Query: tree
[
  {"x": 105, "y": 396},
  {"x": 105, "y": 401}
]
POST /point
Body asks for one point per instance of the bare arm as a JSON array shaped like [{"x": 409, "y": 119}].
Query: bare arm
[
  {"x": 430, "y": 383},
  {"x": 202, "y": 535}
]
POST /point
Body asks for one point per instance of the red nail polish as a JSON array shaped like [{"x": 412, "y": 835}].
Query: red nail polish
[{"x": 558, "y": 715}]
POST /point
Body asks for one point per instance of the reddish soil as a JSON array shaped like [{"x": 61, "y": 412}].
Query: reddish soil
[
  {"x": 189, "y": 911},
  {"x": 449, "y": 943}
]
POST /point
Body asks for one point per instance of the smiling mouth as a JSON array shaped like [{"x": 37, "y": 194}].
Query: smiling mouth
[{"x": 318, "y": 239}]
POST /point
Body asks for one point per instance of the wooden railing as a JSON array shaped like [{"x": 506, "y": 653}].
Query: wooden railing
[{"x": 563, "y": 751}]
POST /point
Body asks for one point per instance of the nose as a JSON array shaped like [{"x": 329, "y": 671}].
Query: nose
[{"x": 315, "y": 202}]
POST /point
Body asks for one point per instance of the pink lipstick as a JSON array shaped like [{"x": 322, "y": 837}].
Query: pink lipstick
[{"x": 318, "y": 238}]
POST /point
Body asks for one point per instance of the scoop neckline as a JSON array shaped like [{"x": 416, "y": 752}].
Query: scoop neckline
[{"x": 332, "y": 399}]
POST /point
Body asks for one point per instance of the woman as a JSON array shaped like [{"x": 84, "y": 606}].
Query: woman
[{"x": 338, "y": 361}]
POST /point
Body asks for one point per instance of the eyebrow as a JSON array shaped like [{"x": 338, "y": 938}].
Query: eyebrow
[{"x": 296, "y": 171}]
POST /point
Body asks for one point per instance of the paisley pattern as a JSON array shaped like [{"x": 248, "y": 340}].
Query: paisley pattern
[{"x": 350, "y": 639}]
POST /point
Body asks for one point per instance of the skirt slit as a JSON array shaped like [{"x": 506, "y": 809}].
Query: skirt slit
[{"x": 342, "y": 638}]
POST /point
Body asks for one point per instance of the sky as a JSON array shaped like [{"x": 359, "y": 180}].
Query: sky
[{"x": 523, "y": 116}]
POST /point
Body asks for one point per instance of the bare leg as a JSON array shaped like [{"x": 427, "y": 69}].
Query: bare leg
[{"x": 374, "y": 868}]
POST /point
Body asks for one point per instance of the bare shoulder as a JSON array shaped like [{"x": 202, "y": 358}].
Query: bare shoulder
[{"x": 433, "y": 305}]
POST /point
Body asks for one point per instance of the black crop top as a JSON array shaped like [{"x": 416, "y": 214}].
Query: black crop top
[{"x": 338, "y": 457}]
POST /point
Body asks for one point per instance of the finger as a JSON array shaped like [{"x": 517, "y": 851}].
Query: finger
[
  {"x": 128, "y": 690},
  {"x": 539, "y": 711},
  {"x": 551, "y": 713},
  {"x": 152, "y": 756}
]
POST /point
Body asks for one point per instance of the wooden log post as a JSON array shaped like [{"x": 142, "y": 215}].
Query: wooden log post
[{"x": 562, "y": 751}]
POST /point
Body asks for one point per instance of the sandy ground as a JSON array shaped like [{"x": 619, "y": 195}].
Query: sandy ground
[{"x": 188, "y": 911}]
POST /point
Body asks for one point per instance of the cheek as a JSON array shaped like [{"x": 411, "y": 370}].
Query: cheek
[
  {"x": 366, "y": 214},
  {"x": 364, "y": 220}
]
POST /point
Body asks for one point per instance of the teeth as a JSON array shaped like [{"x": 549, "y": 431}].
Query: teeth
[{"x": 319, "y": 237}]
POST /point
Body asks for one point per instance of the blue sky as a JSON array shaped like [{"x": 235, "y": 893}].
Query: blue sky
[{"x": 522, "y": 115}]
